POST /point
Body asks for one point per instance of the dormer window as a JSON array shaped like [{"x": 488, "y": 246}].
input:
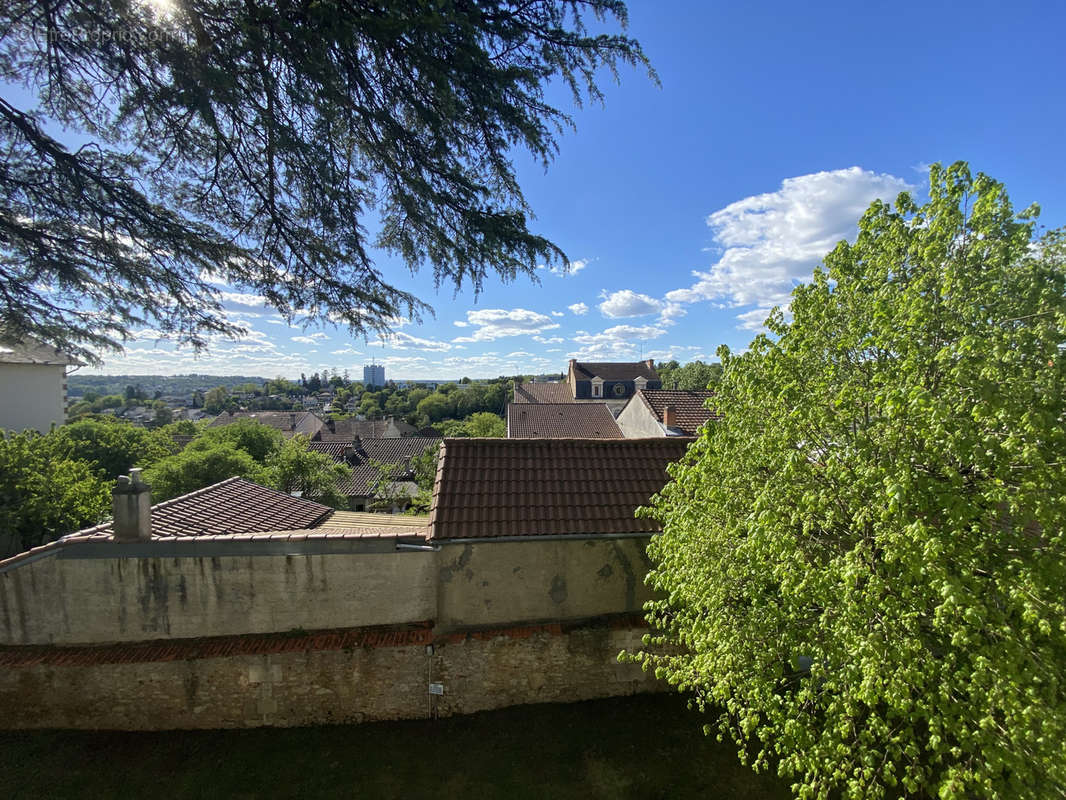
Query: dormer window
[
  {"x": 597, "y": 387},
  {"x": 640, "y": 382}
]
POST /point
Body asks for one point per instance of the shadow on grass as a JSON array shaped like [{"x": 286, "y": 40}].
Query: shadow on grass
[{"x": 634, "y": 747}]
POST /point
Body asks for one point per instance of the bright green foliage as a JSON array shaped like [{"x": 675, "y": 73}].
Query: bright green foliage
[
  {"x": 45, "y": 491},
  {"x": 884, "y": 501},
  {"x": 112, "y": 447},
  {"x": 692, "y": 376},
  {"x": 485, "y": 424},
  {"x": 257, "y": 440},
  {"x": 424, "y": 466},
  {"x": 295, "y": 468},
  {"x": 437, "y": 406},
  {"x": 195, "y": 467}
]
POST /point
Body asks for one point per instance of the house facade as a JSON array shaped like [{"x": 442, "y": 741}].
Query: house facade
[
  {"x": 33, "y": 386},
  {"x": 665, "y": 412},
  {"x": 611, "y": 380}
]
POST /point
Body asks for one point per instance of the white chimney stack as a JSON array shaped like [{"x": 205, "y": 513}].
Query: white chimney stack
[{"x": 132, "y": 502}]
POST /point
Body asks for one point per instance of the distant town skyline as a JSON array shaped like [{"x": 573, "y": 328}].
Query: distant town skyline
[{"x": 688, "y": 211}]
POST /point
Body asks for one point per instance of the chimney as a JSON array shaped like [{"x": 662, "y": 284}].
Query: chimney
[
  {"x": 670, "y": 416},
  {"x": 651, "y": 363},
  {"x": 131, "y": 500}
]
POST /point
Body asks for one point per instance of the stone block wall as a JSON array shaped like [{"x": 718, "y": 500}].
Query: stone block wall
[{"x": 333, "y": 678}]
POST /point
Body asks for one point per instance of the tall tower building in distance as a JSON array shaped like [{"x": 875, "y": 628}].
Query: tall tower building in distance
[{"x": 374, "y": 375}]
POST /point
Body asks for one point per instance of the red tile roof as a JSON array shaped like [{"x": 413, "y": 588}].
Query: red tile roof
[
  {"x": 233, "y": 506},
  {"x": 691, "y": 406},
  {"x": 543, "y": 393},
  {"x": 534, "y": 487},
  {"x": 561, "y": 421}
]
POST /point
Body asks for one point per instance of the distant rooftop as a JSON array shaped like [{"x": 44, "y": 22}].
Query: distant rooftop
[
  {"x": 488, "y": 488},
  {"x": 690, "y": 406},
  {"x": 30, "y": 351},
  {"x": 561, "y": 421}
]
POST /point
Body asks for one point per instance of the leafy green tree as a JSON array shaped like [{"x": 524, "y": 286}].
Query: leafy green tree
[
  {"x": 202, "y": 464},
  {"x": 862, "y": 565},
  {"x": 424, "y": 466},
  {"x": 256, "y": 439},
  {"x": 694, "y": 376},
  {"x": 112, "y": 447},
  {"x": 216, "y": 400},
  {"x": 45, "y": 491},
  {"x": 219, "y": 145},
  {"x": 296, "y": 468},
  {"x": 436, "y": 407},
  {"x": 483, "y": 424}
]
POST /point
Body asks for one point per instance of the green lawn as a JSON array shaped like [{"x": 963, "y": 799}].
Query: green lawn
[{"x": 637, "y": 747}]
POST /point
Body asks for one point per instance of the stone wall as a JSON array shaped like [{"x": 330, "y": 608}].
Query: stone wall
[
  {"x": 290, "y": 686},
  {"x": 500, "y": 582}
]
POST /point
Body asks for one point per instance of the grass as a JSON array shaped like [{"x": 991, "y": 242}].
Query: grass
[{"x": 635, "y": 747}]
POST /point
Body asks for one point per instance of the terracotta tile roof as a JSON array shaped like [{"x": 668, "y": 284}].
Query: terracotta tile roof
[
  {"x": 543, "y": 393},
  {"x": 615, "y": 371},
  {"x": 288, "y": 422},
  {"x": 691, "y": 409},
  {"x": 388, "y": 451},
  {"x": 233, "y": 506},
  {"x": 364, "y": 519},
  {"x": 534, "y": 487},
  {"x": 561, "y": 421}
]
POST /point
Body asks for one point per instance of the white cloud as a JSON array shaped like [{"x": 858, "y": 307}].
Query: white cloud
[
  {"x": 770, "y": 242},
  {"x": 303, "y": 339},
  {"x": 574, "y": 268},
  {"x": 496, "y": 323},
  {"x": 405, "y": 341},
  {"x": 579, "y": 309},
  {"x": 242, "y": 299},
  {"x": 619, "y": 342},
  {"x": 548, "y": 339},
  {"x": 460, "y": 324},
  {"x": 558, "y": 314},
  {"x": 627, "y": 303}
]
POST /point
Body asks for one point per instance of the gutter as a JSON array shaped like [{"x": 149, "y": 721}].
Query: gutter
[{"x": 550, "y": 537}]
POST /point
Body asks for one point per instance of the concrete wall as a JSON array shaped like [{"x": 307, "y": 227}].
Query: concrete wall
[
  {"x": 637, "y": 421},
  {"x": 64, "y": 600},
  {"x": 494, "y": 582},
  {"x": 326, "y": 686},
  {"x": 32, "y": 396}
]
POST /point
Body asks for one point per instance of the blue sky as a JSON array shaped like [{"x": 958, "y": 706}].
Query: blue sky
[{"x": 689, "y": 210}]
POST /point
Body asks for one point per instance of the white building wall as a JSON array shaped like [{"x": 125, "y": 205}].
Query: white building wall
[
  {"x": 32, "y": 396},
  {"x": 637, "y": 422}
]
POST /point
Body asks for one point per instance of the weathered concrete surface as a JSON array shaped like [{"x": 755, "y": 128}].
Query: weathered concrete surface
[
  {"x": 493, "y": 583},
  {"x": 96, "y": 600}
]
